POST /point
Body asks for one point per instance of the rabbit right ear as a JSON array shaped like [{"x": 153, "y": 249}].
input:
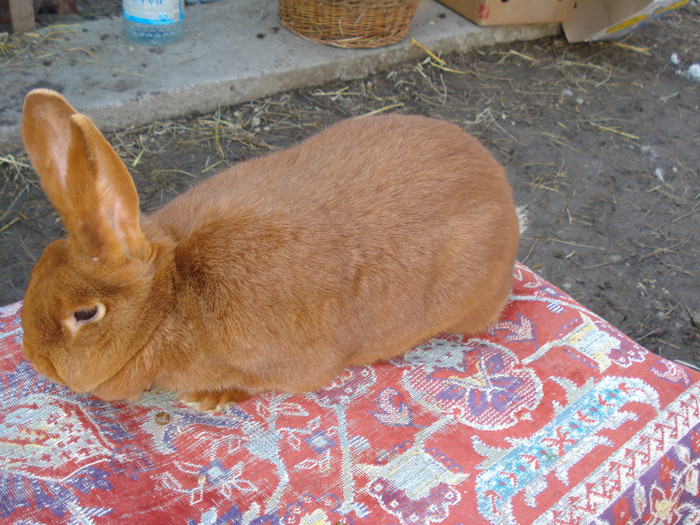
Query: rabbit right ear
[{"x": 83, "y": 177}]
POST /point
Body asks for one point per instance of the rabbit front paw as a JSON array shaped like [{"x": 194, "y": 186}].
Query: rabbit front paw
[{"x": 211, "y": 401}]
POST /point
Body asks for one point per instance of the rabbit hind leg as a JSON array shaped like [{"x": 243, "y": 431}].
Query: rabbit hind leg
[{"x": 477, "y": 320}]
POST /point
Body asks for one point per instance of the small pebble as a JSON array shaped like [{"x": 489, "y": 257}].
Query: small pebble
[
  {"x": 694, "y": 71},
  {"x": 162, "y": 418}
]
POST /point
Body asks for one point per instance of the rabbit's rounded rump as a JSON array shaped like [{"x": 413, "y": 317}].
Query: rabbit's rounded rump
[{"x": 351, "y": 247}]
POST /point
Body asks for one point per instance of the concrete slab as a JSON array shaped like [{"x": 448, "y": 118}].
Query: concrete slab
[{"x": 233, "y": 51}]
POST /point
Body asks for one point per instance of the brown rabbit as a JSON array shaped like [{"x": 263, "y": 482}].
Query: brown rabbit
[{"x": 352, "y": 247}]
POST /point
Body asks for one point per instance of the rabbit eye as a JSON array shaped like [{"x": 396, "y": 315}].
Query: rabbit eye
[
  {"x": 85, "y": 315},
  {"x": 89, "y": 315}
]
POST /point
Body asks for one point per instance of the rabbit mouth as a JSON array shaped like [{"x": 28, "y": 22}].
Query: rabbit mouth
[
  {"x": 77, "y": 384},
  {"x": 44, "y": 365}
]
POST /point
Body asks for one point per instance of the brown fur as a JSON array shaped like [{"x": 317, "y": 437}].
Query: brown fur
[{"x": 359, "y": 243}]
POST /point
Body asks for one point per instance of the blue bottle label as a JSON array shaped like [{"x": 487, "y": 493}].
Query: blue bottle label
[{"x": 153, "y": 12}]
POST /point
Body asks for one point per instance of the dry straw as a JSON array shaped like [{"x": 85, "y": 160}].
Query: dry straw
[{"x": 349, "y": 23}]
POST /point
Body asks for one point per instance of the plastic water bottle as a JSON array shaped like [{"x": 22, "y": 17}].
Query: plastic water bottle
[{"x": 154, "y": 22}]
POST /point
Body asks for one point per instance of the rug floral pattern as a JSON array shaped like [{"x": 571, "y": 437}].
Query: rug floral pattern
[{"x": 551, "y": 417}]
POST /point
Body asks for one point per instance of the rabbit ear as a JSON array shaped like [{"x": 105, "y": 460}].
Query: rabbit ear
[
  {"x": 84, "y": 179},
  {"x": 46, "y": 135},
  {"x": 103, "y": 198}
]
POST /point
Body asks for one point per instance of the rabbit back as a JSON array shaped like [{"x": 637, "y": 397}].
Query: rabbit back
[{"x": 359, "y": 243}]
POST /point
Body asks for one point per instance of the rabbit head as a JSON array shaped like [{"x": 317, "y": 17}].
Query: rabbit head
[{"x": 89, "y": 295}]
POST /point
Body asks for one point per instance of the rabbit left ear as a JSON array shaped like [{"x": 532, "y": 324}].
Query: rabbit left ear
[
  {"x": 46, "y": 135},
  {"x": 84, "y": 179}
]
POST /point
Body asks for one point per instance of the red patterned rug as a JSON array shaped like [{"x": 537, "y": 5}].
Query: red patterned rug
[{"x": 552, "y": 417}]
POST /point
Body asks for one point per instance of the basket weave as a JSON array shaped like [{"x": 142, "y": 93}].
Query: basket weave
[{"x": 349, "y": 23}]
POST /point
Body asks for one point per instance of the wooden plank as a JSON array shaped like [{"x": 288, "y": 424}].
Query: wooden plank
[{"x": 22, "y": 13}]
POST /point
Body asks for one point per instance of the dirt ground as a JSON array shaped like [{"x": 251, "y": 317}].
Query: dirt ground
[{"x": 600, "y": 141}]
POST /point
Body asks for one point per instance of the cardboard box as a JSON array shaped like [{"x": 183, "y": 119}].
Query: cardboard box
[
  {"x": 600, "y": 19},
  {"x": 508, "y": 12}
]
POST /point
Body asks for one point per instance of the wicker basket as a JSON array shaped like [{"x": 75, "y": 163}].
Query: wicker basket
[{"x": 349, "y": 23}]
